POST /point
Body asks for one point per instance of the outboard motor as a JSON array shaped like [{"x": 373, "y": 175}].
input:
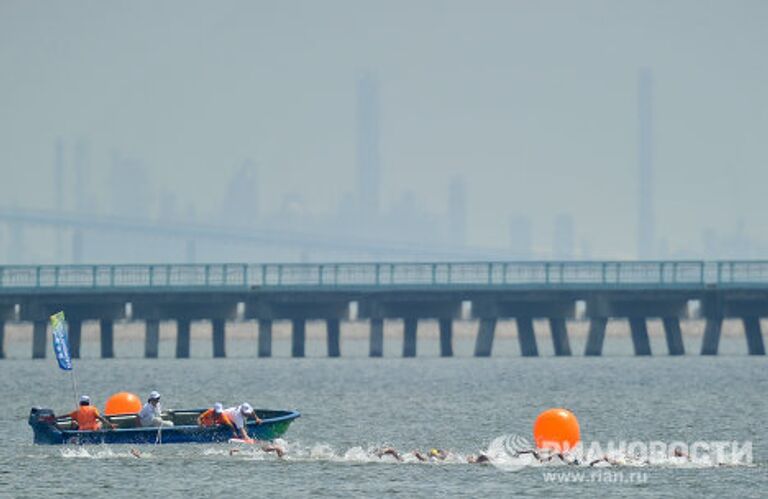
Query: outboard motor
[{"x": 43, "y": 423}]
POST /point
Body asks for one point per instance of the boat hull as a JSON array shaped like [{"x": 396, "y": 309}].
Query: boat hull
[{"x": 47, "y": 430}]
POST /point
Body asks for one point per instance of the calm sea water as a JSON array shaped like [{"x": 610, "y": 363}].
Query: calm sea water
[{"x": 352, "y": 405}]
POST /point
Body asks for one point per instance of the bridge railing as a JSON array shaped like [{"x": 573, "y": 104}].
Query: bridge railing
[
  {"x": 544, "y": 274},
  {"x": 742, "y": 272},
  {"x": 481, "y": 274},
  {"x": 123, "y": 276}
]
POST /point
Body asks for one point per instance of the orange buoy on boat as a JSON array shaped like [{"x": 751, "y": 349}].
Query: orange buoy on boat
[
  {"x": 556, "y": 429},
  {"x": 122, "y": 403}
]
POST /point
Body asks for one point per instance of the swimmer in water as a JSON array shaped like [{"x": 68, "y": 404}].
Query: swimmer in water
[
  {"x": 135, "y": 453},
  {"x": 546, "y": 456},
  {"x": 388, "y": 451},
  {"x": 532, "y": 452},
  {"x": 274, "y": 448},
  {"x": 478, "y": 459},
  {"x": 604, "y": 459},
  {"x": 432, "y": 455},
  {"x": 565, "y": 458},
  {"x": 265, "y": 447}
]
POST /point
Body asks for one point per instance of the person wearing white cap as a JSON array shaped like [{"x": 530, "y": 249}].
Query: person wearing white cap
[
  {"x": 152, "y": 413},
  {"x": 88, "y": 417},
  {"x": 238, "y": 415}
]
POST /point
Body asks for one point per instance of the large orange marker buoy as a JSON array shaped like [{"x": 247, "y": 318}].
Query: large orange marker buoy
[
  {"x": 122, "y": 403},
  {"x": 556, "y": 429}
]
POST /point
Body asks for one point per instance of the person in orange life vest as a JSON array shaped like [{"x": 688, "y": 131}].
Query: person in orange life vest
[
  {"x": 215, "y": 416},
  {"x": 88, "y": 417}
]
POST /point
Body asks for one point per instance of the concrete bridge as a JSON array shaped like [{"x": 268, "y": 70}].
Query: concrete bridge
[{"x": 377, "y": 291}]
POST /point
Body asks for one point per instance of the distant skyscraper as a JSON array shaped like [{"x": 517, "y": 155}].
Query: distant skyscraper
[
  {"x": 457, "y": 211},
  {"x": 563, "y": 240},
  {"x": 241, "y": 203},
  {"x": 130, "y": 188},
  {"x": 58, "y": 178},
  {"x": 81, "y": 194},
  {"x": 645, "y": 223},
  {"x": 521, "y": 238},
  {"x": 81, "y": 174},
  {"x": 368, "y": 161}
]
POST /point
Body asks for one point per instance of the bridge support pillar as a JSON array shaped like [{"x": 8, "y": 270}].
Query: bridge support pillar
[
  {"x": 75, "y": 335},
  {"x": 265, "y": 338},
  {"x": 2, "y": 339},
  {"x": 151, "y": 339},
  {"x": 446, "y": 337},
  {"x": 484, "y": 342},
  {"x": 377, "y": 338},
  {"x": 560, "y": 336},
  {"x": 409, "y": 340},
  {"x": 711, "y": 341},
  {"x": 595, "y": 337},
  {"x": 183, "y": 337},
  {"x": 639, "y": 330},
  {"x": 219, "y": 338},
  {"x": 754, "y": 335},
  {"x": 38, "y": 339},
  {"x": 298, "y": 337},
  {"x": 107, "y": 338},
  {"x": 333, "y": 327},
  {"x": 526, "y": 337},
  {"x": 674, "y": 336}
]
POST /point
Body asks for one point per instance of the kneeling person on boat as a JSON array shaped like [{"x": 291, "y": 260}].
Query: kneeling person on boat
[
  {"x": 238, "y": 416},
  {"x": 215, "y": 417},
  {"x": 151, "y": 413},
  {"x": 88, "y": 417}
]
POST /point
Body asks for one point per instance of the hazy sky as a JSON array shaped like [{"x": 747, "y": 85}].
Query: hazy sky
[{"x": 534, "y": 103}]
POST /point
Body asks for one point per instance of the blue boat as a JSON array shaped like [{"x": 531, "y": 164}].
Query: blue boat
[{"x": 52, "y": 430}]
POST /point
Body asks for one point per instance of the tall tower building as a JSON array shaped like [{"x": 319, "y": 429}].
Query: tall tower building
[
  {"x": 563, "y": 240},
  {"x": 240, "y": 207},
  {"x": 457, "y": 211},
  {"x": 521, "y": 237},
  {"x": 645, "y": 222},
  {"x": 368, "y": 161},
  {"x": 58, "y": 179}
]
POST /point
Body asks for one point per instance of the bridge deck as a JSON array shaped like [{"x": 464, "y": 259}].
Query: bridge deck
[{"x": 408, "y": 291}]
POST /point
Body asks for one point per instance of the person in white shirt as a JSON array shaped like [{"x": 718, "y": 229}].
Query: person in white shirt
[
  {"x": 239, "y": 416},
  {"x": 151, "y": 413}
]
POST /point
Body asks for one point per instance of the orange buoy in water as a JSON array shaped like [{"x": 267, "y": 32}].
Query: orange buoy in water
[
  {"x": 122, "y": 403},
  {"x": 556, "y": 429}
]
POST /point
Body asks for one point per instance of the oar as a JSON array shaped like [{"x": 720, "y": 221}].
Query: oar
[
  {"x": 158, "y": 438},
  {"x": 159, "y": 434}
]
